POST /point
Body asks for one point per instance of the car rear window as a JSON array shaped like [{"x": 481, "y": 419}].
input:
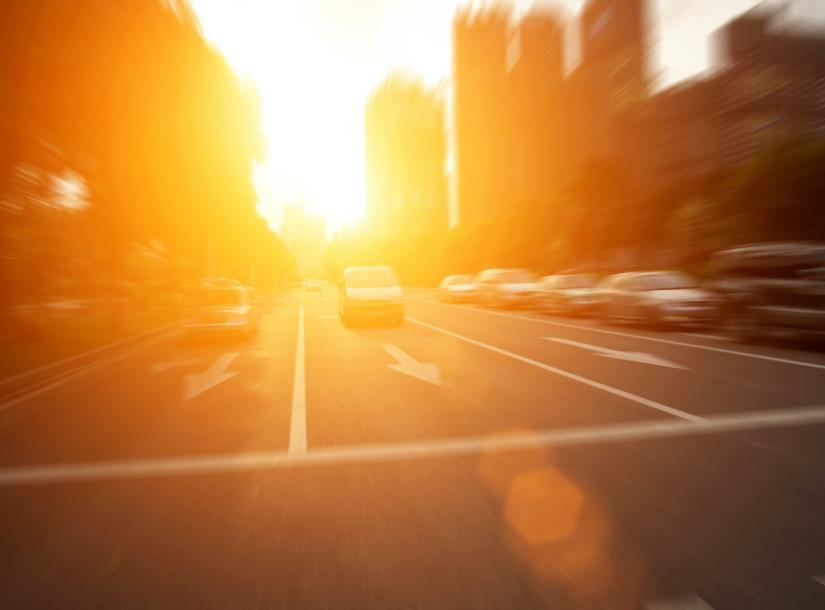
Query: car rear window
[
  {"x": 371, "y": 278},
  {"x": 575, "y": 281},
  {"x": 224, "y": 296},
  {"x": 666, "y": 281},
  {"x": 514, "y": 277},
  {"x": 457, "y": 280}
]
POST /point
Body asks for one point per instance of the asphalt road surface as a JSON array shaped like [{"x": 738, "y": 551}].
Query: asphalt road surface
[{"x": 471, "y": 458}]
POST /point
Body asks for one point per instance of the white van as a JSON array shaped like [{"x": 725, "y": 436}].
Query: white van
[{"x": 370, "y": 293}]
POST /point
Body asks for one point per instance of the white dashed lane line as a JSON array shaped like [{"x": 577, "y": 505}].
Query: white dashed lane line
[{"x": 298, "y": 423}]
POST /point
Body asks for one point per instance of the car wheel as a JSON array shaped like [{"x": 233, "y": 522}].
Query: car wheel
[
  {"x": 651, "y": 317},
  {"x": 611, "y": 314},
  {"x": 741, "y": 324}
]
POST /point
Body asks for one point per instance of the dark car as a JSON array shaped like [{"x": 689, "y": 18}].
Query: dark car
[{"x": 771, "y": 290}]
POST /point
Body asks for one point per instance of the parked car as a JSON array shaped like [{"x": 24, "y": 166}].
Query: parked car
[
  {"x": 507, "y": 287},
  {"x": 655, "y": 298},
  {"x": 457, "y": 289},
  {"x": 224, "y": 307},
  {"x": 370, "y": 293},
  {"x": 313, "y": 284},
  {"x": 571, "y": 294},
  {"x": 771, "y": 290}
]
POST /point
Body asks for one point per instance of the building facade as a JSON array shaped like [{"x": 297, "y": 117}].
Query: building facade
[
  {"x": 480, "y": 121},
  {"x": 607, "y": 90},
  {"x": 769, "y": 83},
  {"x": 406, "y": 149}
]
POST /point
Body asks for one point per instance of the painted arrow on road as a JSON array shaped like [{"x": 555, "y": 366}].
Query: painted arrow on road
[
  {"x": 196, "y": 384},
  {"x": 162, "y": 367},
  {"x": 678, "y": 603},
  {"x": 618, "y": 354},
  {"x": 408, "y": 365}
]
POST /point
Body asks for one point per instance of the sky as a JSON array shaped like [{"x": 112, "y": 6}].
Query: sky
[{"x": 315, "y": 62}]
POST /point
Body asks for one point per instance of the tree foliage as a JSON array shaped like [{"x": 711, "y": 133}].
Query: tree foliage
[{"x": 130, "y": 96}]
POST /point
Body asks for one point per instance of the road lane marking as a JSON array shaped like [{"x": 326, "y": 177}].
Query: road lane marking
[
  {"x": 705, "y": 336},
  {"x": 690, "y": 602},
  {"x": 639, "y": 357},
  {"x": 60, "y": 379},
  {"x": 563, "y": 373},
  {"x": 161, "y": 331},
  {"x": 198, "y": 383},
  {"x": 408, "y": 365},
  {"x": 440, "y": 448},
  {"x": 162, "y": 367},
  {"x": 298, "y": 424},
  {"x": 597, "y": 329}
]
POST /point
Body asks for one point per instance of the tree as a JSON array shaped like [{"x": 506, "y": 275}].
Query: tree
[
  {"x": 602, "y": 212},
  {"x": 780, "y": 194},
  {"x": 131, "y": 97}
]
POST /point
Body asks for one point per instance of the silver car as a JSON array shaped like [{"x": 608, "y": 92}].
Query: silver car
[
  {"x": 507, "y": 288},
  {"x": 568, "y": 294},
  {"x": 655, "y": 298},
  {"x": 457, "y": 289},
  {"x": 224, "y": 308}
]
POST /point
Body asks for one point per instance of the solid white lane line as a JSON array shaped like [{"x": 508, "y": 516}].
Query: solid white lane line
[
  {"x": 77, "y": 372},
  {"x": 597, "y": 329},
  {"x": 298, "y": 425},
  {"x": 561, "y": 372},
  {"x": 462, "y": 446}
]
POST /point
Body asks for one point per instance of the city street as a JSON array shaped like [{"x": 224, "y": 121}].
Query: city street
[{"x": 470, "y": 458}]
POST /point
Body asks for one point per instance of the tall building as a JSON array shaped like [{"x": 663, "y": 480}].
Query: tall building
[
  {"x": 406, "y": 150},
  {"x": 769, "y": 83},
  {"x": 608, "y": 88},
  {"x": 535, "y": 109},
  {"x": 480, "y": 123}
]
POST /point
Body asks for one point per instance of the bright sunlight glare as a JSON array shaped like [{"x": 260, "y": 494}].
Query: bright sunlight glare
[{"x": 314, "y": 63}]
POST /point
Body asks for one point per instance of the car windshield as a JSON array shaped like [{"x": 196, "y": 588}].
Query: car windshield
[
  {"x": 371, "y": 278},
  {"x": 515, "y": 276},
  {"x": 575, "y": 281},
  {"x": 458, "y": 280},
  {"x": 667, "y": 281},
  {"x": 223, "y": 297}
]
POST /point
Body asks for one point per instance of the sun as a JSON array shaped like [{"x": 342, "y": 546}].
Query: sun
[{"x": 314, "y": 64}]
